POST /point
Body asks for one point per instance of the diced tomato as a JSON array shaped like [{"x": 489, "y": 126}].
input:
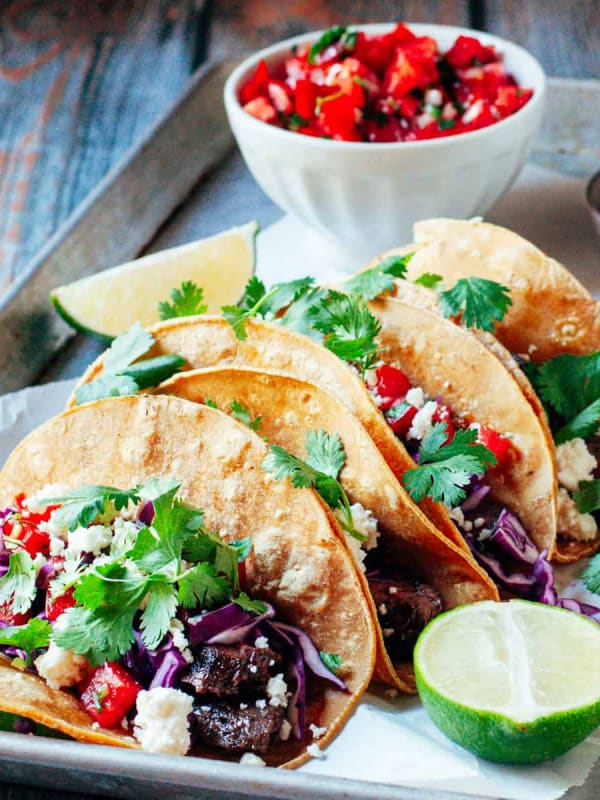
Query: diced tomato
[
  {"x": 408, "y": 106},
  {"x": 410, "y": 69},
  {"x": 34, "y": 540},
  {"x": 391, "y": 131},
  {"x": 305, "y": 98},
  {"x": 337, "y": 119},
  {"x": 280, "y": 96},
  {"x": 479, "y": 115},
  {"x": 511, "y": 99},
  {"x": 442, "y": 414},
  {"x": 261, "y": 109},
  {"x": 257, "y": 85},
  {"x": 55, "y": 607},
  {"x": 468, "y": 51},
  {"x": 109, "y": 694},
  {"x": 400, "y": 417},
  {"x": 494, "y": 441},
  {"x": 391, "y": 382},
  {"x": 8, "y": 616}
]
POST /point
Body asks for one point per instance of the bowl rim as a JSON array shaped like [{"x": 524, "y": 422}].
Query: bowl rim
[{"x": 505, "y": 46}]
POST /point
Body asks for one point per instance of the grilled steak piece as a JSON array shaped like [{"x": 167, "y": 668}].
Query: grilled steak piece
[
  {"x": 225, "y": 670},
  {"x": 235, "y": 728},
  {"x": 404, "y": 607}
]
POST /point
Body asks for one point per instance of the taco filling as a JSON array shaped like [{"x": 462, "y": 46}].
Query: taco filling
[
  {"x": 127, "y": 602},
  {"x": 494, "y": 533}
]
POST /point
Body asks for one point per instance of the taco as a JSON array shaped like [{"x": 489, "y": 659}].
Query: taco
[
  {"x": 552, "y": 326},
  {"x": 409, "y": 570},
  {"x": 551, "y": 313},
  {"x": 153, "y": 638},
  {"x": 206, "y": 341}
]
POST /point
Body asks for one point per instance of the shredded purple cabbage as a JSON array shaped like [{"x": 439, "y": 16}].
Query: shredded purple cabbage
[
  {"x": 475, "y": 494},
  {"x": 535, "y": 581},
  {"x": 167, "y": 673},
  {"x": 146, "y": 513}
]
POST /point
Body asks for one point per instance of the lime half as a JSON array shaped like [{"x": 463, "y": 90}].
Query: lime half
[
  {"x": 108, "y": 303},
  {"x": 515, "y": 682}
]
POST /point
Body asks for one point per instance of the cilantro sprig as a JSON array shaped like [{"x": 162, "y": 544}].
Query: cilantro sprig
[
  {"x": 378, "y": 279},
  {"x": 430, "y": 280},
  {"x": 242, "y": 413},
  {"x": 569, "y": 387},
  {"x": 591, "y": 574},
  {"x": 83, "y": 506},
  {"x": 30, "y": 637},
  {"x": 444, "y": 470},
  {"x": 17, "y": 586},
  {"x": 325, "y": 457},
  {"x": 123, "y": 374},
  {"x": 174, "y": 562},
  {"x": 587, "y": 496},
  {"x": 337, "y": 33},
  {"x": 480, "y": 301},
  {"x": 187, "y": 301}
]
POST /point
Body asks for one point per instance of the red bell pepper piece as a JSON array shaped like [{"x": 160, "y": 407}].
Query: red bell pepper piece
[
  {"x": 337, "y": 119},
  {"x": 511, "y": 99},
  {"x": 257, "y": 85},
  {"x": 56, "y": 606},
  {"x": 305, "y": 99},
  {"x": 494, "y": 441},
  {"x": 109, "y": 694},
  {"x": 468, "y": 51},
  {"x": 400, "y": 417}
]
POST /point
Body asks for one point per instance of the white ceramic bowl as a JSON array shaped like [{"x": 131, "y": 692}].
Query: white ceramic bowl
[{"x": 369, "y": 195}]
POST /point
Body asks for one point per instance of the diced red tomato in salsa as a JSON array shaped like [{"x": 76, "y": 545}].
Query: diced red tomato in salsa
[
  {"x": 498, "y": 444},
  {"x": 109, "y": 694},
  {"x": 384, "y": 88},
  {"x": 8, "y": 616},
  {"x": 56, "y": 606}
]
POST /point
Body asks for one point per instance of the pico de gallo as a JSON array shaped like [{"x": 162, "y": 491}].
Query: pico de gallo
[
  {"x": 392, "y": 87},
  {"x": 123, "y": 599}
]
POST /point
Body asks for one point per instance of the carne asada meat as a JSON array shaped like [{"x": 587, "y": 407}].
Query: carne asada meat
[
  {"x": 404, "y": 607},
  {"x": 238, "y": 727},
  {"x": 225, "y": 670}
]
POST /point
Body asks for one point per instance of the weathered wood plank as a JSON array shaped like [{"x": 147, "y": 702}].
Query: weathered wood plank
[
  {"x": 565, "y": 37},
  {"x": 78, "y": 86},
  {"x": 240, "y": 26}
]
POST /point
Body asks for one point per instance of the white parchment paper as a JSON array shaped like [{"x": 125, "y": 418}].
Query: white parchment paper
[{"x": 391, "y": 740}]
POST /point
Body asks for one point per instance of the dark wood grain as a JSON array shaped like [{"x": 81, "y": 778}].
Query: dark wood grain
[
  {"x": 244, "y": 25},
  {"x": 78, "y": 86},
  {"x": 564, "y": 36}
]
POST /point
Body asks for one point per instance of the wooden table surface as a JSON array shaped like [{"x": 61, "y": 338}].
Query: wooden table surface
[{"x": 78, "y": 86}]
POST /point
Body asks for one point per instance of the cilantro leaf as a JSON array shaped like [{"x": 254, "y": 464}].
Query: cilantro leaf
[
  {"x": 127, "y": 348},
  {"x": 331, "y": 660},
  {"x": 153, "y": 371},
  {"x": 202, "y": 585},
  {"x": 105, "y": 386},
  {"x": 587, "y": 498},
  {"x": 286, "y": 294},
  {"x": 349, "y": 327},
  {"x": 100, "y": 626},
  {"x": 82, "y": 507},
  {"x": 254, "y": 292},
  {"x": 210, "y": 403},
  {"x": 591, "y": 574},
  {"x": 297, "y": 317},
  {"x": 17, "y": 587},
  {"x": 372, "y": 282},
  {"x": 324, "y": 451},
  {"x": 329, "y": 37},
  {"x": 567, "y": 384},
  {"x": 242, "y": 548},
  {"x": 207, "y": 546},
  {"x": 428, "y": 279},
  {"x": 161, "y": 605},
  {"x": 237, "y": 317},
  {"x": 253, "y": 606},
  {"x": 584, "y": 425},
  {"x": 32, "y": 636},
  {"x": 187, "y": 301},
  {"x": 445, "y": 470},
  {"x": 242, "y": 413},
  {"x": 480, "y": 301}
]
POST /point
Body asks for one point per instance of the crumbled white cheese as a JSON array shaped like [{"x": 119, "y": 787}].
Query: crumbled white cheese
[
  {"x": 180, "y": 641},
  {"x": 315, "y": 751},
  {"x": 261, "y": 703},
  {"x": 261, "y": 642},
  {"x": 456, "y": 514},
  {"x": 252, "y": 760},
  {"x": 57, "y": 546},
  {"x": 95, "y": 726},
  {"x": 253, "y": 669},
  {"x": 383, "y": 609},
  {"x": 356, "y": 550},
  {"x": 571, "y": 523},
  {"x": 479, "y": 522},
  {"x": 393, "y": 590},
  {"x": 575, "y": 463},
  {"x": 161, "y": 723},
  {"x": 316, "y": 731},
  {"x": 90, "y": 540},
  {"x": 37, "y": 502},
  {"x": 38, "y": 562},
  {"x": 467, "y": 525},
  {"x": 473, "y": 112},
  {"x": 433, "y": 97},
  {"x": 124, "y": 535},
  {"x": 415, "y": 397},
  {"x": 277, "y": 691},
  {"x": 61, "y": 668},
  {"x": 365, "y": 522},
  {"x": 243, "y": 706},
  {"x": 285, "y": 730},
  {"x": 422, "y": 421}
]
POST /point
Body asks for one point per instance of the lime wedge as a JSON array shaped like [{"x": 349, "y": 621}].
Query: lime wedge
[
  {"x": 515, "y": 682},
  {"x": 108, "y": 303}
]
